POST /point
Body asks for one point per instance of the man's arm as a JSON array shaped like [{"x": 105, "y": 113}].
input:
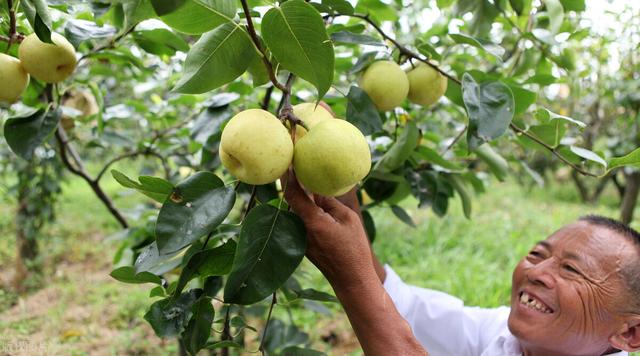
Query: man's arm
[
  {"x": 350, "y": 199},
  {"x": 338, "y": 246}
]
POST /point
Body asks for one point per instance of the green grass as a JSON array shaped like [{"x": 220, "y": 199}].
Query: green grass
[{"x": 83, "y": 310}]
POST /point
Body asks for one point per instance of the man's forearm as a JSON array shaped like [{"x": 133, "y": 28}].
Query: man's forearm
[{"x": 379, "y": 327}]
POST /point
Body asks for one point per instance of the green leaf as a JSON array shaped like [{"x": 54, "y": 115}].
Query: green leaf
[
  {"x": 428, "y": 50},
  {"x": 298, "y": 351},
  {"x": 272, "y": 244},
  {"x": 211, "y": 262},
  {"x": 485, "y": 46},
  {"x": 169, "y": 316},
  {"x": 164, "y": 7},
  {"x": 160, "y": 41},
  {"x": 198, "y": 330},
  {"x": 497, "y": 164},
  {"x": 490, "y": 106},
  {"x": 542, "y": 79},
  {"x": 432, "y": 156},
  {"x": 588, "y": 155},
  {"x": 78, "y": 31},
  {"x": 312, "y": 294},
  {"x": 573, "y": 5},
  {"x": 219, "y": 57},
  {"x": 150, "y": 260},
  {"x": 523, "y": 98},
  {"x": 631, "y": 159},
  {"x": 127, "y": 274},
  {"x": 546, "y": 116},
  {"x": 258, "y": 71},
  {"x": 369, "y": 225},
  {"x": 196, "y": 16},
  {"x": 484, "y": 12},
  {"x": 402, "y": 215},
  {"x": 551, "y": 133},
  {"x": 517, "y": 6},
  {"x": 195, "y": 207},
  {"x": 223, "y": 345},
  {"x": 454, "y": 92},
  {"x": 556, "y": 15},
  {"x": 296, "y": 36},
  {"x": 355, "y": 38},
  {"x": 37, "y": 13},
  {"x": 401, "y": 150},
  {"x": 24, "y": 133},
  {"x": 155, "y": 188},
  {"x": 339, "y": 6},
  {"x": 362, "y": 112},
  {"x": 363, "y": 62},
  {"x": 136, "y": 11},
  {"x": 465, "y": 197}
]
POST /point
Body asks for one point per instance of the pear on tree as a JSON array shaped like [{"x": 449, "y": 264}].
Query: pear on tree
[
  {"x": 50, "y": 63},
  {"x": 14, "y": 78}
]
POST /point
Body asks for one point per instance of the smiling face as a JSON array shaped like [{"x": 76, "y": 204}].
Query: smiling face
[{"x": 568, "y": 296}]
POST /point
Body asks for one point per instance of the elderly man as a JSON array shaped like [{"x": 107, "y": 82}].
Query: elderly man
[{"x": 576, "y": 293}]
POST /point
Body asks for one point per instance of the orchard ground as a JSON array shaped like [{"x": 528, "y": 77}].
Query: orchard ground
[{"x": 78, "y": 309}]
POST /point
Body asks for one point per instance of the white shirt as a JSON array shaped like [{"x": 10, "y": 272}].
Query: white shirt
[{"x": 445, "y": 327}]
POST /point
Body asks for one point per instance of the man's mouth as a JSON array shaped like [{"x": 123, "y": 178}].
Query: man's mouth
[{"x": 532, "y": 302}]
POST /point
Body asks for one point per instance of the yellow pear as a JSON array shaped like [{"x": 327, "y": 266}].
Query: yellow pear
[
  {"x": 255, "y": 147},
  {"x": 310, "y": 114},
  {"x": 48, "y": 62},
  {"x": 331, "y": 158},
  {"x": 426, "y": 85},
  {"x": 386, "y": 84},
  {"x": 13, "y": 77}
]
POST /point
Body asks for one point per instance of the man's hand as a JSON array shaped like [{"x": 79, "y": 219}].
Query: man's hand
[{"x": 337, "y": 242}]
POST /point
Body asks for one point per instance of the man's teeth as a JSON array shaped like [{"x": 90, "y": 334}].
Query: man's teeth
[{"x": 533, "y": 303}]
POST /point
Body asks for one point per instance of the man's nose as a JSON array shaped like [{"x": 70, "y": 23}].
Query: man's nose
[{"x": 543, "y": 273}]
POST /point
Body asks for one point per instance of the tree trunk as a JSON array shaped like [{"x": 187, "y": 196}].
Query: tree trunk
[
  {"x": 27, "y": 245},
  {"x": 582, "y": 189},
  {"x": 630, "y": 197}
]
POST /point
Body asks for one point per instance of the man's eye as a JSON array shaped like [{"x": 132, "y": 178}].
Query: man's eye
[
  {"x": 569, "y": 268},
  {"x": 535, "y": 254}
]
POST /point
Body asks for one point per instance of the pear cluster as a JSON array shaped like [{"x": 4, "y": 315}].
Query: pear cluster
[
  {"x": 48, "y": 62},
  {"x": 388, "y": 85},
  {"x": 329, "y": 158}
]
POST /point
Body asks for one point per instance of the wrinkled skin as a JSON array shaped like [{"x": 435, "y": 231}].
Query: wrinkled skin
[{"x": 576, "y": 273}]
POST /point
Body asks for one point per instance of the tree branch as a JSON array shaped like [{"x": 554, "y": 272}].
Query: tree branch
[
  {"x": 404, "y": 50},
  {"x": 266, "y": 326},
  {"x": 455, "y": 140},
  {"x": 110, "y": 44},
  {"x": 63, "y": 142},
  {"x": 256, "y": 41},
  {"x": 520, "y": 131}
]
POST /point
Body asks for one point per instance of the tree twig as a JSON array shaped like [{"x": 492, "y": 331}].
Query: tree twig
[
  {"x": 110, "y": 44},
  {"x": 274, "y": 301},
  {"x": 455, "y": 140},
  {"x": 553, "y": 150},
  {"x": 402, "y": 49},
  {"x": 263, "y": 53},
  {"x": 79, "y": 171}
]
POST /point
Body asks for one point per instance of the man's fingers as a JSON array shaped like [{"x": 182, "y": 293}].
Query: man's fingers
[
  {"x": 350, "y": 199},
  {"x": 334, "y": 207},
  {"x": 297, "y": 198}
]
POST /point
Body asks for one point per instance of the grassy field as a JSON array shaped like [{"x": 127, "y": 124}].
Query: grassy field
[{"x": 80, "y": 310}]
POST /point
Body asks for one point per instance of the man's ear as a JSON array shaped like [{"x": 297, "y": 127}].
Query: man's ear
[{"x": 628, "y": 337}]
